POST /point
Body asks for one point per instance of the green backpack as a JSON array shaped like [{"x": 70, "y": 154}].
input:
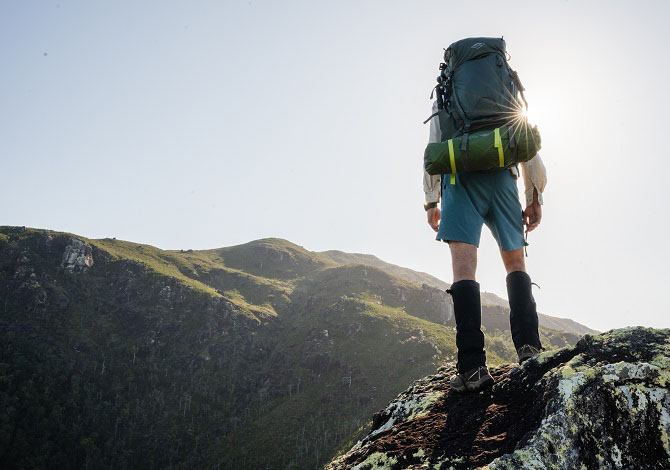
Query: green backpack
[{"x": 479, "y": 111}]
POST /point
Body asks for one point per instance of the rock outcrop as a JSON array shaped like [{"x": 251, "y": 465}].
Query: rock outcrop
[
  {"x": 78, "y": 256},
  {"x": 604, "y": 403}
]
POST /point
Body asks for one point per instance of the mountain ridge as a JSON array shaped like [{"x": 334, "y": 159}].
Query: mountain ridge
[{"x": 333, "y": 257}]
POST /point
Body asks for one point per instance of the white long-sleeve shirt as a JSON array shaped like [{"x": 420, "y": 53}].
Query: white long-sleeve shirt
[{"x": 533, "y": 171}]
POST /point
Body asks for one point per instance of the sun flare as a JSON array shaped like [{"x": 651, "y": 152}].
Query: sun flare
[{"x": 529, "y": 114}]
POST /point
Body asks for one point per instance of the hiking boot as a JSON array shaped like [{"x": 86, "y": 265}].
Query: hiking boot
[
  {"x": 472, "y": 380},
  {"x": 526, "y": 352}
]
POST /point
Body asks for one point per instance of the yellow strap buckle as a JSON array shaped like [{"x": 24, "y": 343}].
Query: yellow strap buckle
[
  {"x": 498, "y": 144},
  {"x": 452, "y": 179}
]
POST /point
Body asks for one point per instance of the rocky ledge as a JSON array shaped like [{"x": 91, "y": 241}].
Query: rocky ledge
[{"x": 603, "y": 403}]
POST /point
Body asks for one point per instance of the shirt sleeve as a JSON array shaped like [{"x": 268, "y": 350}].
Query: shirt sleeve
[
  {"x": 432, "y": 183},
  {"x": 534, "y": 177}
]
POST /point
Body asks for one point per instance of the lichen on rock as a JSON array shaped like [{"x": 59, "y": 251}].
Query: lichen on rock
[
  {"x": 604, "y": 403},
  {"x": 406, "y": 409}
]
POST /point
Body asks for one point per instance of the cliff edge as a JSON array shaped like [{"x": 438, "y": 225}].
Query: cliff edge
[{"x": 603, "y": 403}]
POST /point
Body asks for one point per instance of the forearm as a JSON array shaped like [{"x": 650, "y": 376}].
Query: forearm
[{"x": 533, "y": 213}]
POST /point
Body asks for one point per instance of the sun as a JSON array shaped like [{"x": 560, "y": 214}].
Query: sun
[
  {"x": 544, "y": 108},
  {"x": 519, "y": 115}
]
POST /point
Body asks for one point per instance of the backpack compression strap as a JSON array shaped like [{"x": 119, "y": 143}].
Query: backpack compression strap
[
  {"x": 452, "y": 160},
  {"x": 497, "y": 142}
]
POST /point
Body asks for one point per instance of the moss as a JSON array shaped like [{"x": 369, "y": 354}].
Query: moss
[
  {"x": 547, "y": 356},
  {"x": 419, "y": 453},
  {"x": 662, "y": 360},
  {"x": 376, "y": 461},
  {"x": 664, "y": 426},
  {"x": 633, "y": 384},
  {"x": 407, "y": 409},
  {"x": 567, "y": 372}
]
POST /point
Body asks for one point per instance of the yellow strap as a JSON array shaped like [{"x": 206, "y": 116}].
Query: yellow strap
[
  {"x": 498, "y": 144},
  {"x": 452, "y": 161}
]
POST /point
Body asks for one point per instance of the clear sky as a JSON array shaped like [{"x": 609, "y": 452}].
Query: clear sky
[{"x": 203, "y": 124}]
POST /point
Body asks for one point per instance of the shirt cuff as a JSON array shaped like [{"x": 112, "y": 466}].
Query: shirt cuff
[
  {"x": 433, "y": 196},
  {"x": 529, "y": 196}
]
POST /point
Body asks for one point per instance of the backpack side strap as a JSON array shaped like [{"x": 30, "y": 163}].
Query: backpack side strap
[{"x": 517, "y": 83}]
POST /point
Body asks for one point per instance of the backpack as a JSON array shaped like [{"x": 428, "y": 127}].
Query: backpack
[{"x": 478, "y": 91}]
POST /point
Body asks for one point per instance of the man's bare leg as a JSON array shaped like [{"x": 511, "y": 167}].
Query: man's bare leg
[
  {"x": 514, "y": 260},
  {"x": 463, "y": 260}
]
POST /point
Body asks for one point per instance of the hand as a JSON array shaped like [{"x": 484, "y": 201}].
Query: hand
[
  {"x": 533, "y": 214},
  {"x": 433, "y": 217}
]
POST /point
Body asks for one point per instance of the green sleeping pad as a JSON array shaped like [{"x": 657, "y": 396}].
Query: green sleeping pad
[{"x": 486, "y": 150}]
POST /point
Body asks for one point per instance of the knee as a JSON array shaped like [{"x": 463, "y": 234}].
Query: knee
[
  {"x": 512, "y": 267},
  {"x": 464, "y": 271},
  {"x": 464, "y": 261},
  {"x": 514, "y": 260}
]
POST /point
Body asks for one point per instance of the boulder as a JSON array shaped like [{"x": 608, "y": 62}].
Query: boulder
[{"x": 603, "y": 403}]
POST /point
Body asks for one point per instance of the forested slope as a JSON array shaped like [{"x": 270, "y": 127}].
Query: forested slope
[{"x": 116, "y": 354}]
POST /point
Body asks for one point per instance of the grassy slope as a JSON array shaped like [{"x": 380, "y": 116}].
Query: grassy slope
[
  {"x": 342, "y": 257},
  {"x": 488, "y": 298}
]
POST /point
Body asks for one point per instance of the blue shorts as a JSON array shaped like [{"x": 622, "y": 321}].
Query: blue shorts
[{"x": 482, "y": 197}]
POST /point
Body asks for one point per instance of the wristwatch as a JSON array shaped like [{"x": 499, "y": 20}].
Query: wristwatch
[{"x": 429, "y": 205}]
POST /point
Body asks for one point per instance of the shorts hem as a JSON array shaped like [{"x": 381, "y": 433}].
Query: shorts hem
[
  {"x": 515, "y": 247},
  {"x": 448, "y": 239}
]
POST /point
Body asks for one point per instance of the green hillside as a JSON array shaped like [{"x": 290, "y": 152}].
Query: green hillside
[
  {"x": 263, "y": 355},
  {"x": 488, "y": 299}
]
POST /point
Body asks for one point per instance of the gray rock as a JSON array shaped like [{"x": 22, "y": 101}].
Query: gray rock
[
  {"x": 78, "y": 256},
  {"x": 604, "y": 403}
]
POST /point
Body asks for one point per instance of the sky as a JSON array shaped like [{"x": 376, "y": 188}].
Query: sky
[{"x": 204, "y": 124}]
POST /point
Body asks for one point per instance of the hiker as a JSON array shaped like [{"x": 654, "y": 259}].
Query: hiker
[{"x": 467, "y": 201}]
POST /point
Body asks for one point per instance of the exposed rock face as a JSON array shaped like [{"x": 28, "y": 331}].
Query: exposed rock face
[
  {"x": 604, "y": 403},
  {"x": 78, "y": 256},
  {"x": 442, "y": 304}
]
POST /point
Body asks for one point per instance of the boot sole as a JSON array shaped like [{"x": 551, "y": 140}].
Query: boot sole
[
  {"x": 481, "y": 384},
  {"x": 525, "y": 358}
]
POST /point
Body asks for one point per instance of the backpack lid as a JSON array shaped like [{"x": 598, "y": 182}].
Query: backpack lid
[{"x": 472, "y": 48}]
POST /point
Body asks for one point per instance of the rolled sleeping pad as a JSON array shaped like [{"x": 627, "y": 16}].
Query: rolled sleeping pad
[{"x": 486, "y": 150}]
